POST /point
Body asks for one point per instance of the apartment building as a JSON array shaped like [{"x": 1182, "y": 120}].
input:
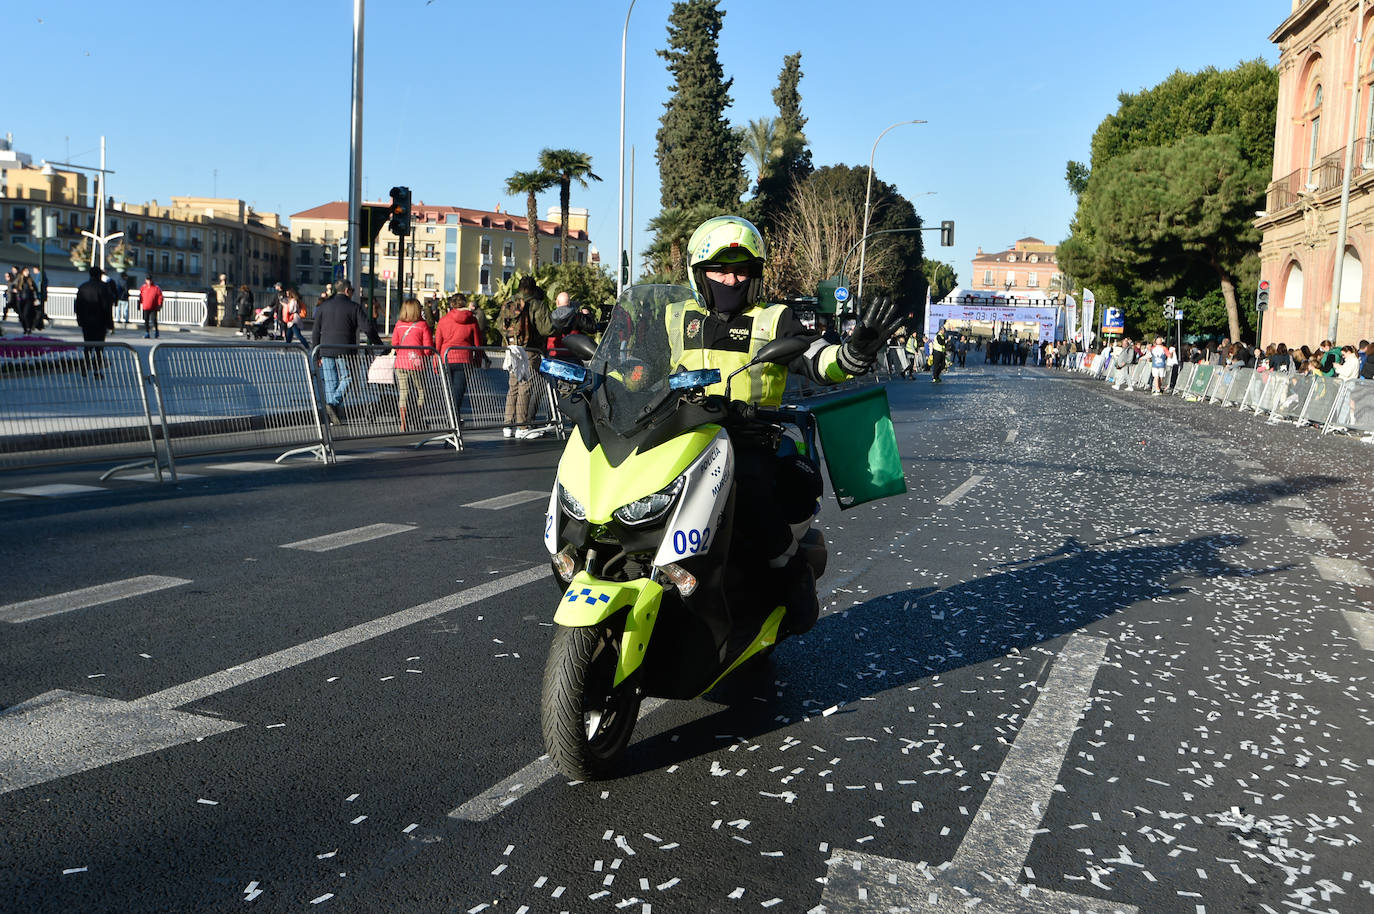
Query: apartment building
[
  {"x": 450, "y": 248},
  {"x": 1029, "y": 269}
]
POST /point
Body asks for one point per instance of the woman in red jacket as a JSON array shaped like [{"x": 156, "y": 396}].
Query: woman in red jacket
[
  {"x": 410, "y": 330},
  {"x": 458, "y": 340}
]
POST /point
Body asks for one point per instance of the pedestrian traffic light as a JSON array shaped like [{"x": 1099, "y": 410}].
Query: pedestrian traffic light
[
  {"x": 1262, "y": 296},
  {"x": 343, "y": 249},
  {"x": 947, "y": 233},
  {"x": 400, "y": 211}
]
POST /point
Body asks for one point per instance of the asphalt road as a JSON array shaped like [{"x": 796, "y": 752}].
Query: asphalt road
[{"x": 1105, "y": 656}]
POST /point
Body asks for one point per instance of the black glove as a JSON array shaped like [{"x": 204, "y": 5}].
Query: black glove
[{"x": 876, "y": 325}]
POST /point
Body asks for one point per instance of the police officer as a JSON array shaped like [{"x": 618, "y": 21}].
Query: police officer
[
  {"x": 938, "y": 349},
  {"x": 725, "y": 268}
]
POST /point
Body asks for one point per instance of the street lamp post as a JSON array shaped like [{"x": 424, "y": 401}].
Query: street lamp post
[
  {"x": 620, "y": 212},
  {"x": 868, "y": 195}
]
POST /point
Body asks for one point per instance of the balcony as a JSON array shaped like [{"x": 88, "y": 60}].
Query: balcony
[
  {"x": 486, "y": 259},
  {"x": 1327, "y": 175}
]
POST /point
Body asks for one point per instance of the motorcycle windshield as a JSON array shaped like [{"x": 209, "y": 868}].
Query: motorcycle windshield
[{"x": 644, "y": 344}]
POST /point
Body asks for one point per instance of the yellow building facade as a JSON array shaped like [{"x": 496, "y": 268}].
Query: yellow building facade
[{"x": 450, "y": 248}]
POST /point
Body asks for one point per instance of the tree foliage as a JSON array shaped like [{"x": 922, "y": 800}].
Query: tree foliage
[
  {"x": 940, "y": 277},
  {"x": 699, "y": 156},
  {"x": 672, "y": 227},
  {"x": 1168, "y": 203},
  {"x": 824, "y": 222}
]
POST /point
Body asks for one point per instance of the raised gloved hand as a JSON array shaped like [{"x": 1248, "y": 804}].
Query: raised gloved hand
[{"x": 876, "y": 325}]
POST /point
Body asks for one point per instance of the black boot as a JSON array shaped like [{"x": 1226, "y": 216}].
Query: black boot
[{"x": 797, "y": 585}]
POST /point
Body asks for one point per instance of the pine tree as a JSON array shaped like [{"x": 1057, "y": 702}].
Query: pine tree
[{"x": 699, "y": 156}]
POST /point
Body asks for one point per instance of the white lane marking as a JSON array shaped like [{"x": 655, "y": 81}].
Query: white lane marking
[
  {"x": 56, "y": 490},
  {"x": 349, "y": 537},
  {"x": 1342, "y": 571},
  {"x": 1011, "y": 435},
  {"x": 328, "y": 644},
  {"x": 493, "y": 800},
  {"x": 987, "y": 868},
  {"x": 61, "y": 733},
  {"x": 40, "y": 607},
  {"x": 1362, "y": 624},
  {"x": 509, "y": 500},
  {"x": 1310, "y": 528},
  {"x": 247, "y": 466},
  {"x": 964, "y": 488}
]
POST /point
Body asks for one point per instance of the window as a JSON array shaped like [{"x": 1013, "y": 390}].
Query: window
[
  {"x": 303, "y": 278},
  {"x": 430, "y": 252},
  {"x": 149, "y": 253},
  {"x": 557, "y": 253},
  {"x": 181, "y": 236},
  {"x": 581, "y": 256},
  {"x": 303, "y": 257},
  {"x": 19, "y": 219},
  {"x": 485, "y": 278},
  {"x": 1314, "y": 132},
  {"x": 506, "y": 274},
  {"x": 305, "y": 235},
  {"x": 1292, "y": 289},
  {"x": 195, "y": 264},
  {"x": 486, "y": 246},
  {"x": 1033, "y": 280},
  {"x": 391, "y": 249},
  {"x": 328, "y": 236},
  {"x": 429, "y": 280},
  {"x": 181, "y": 262},
  {"x": 508, "y": 249},
  {"x": 1011, "y": 279},
  {"x": 987, "y": 277},
  {"x": 133, "y": 257},
  {"x": 166, "y": 261}
]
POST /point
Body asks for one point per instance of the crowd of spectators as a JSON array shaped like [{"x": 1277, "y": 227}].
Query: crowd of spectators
[{"x": 1342, "y": 363}]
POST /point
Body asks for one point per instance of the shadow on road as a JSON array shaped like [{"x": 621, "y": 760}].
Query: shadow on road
[{"x": 900, "y": 638}]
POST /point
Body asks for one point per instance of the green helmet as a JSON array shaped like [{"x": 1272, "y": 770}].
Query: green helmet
[{"x": 726, "y": 239}]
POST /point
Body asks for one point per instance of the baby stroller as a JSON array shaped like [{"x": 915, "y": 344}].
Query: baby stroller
[{"x": 265, "y": 325}]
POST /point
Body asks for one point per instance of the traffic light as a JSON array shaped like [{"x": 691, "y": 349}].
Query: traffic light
[
  {"x": 400, "y": 211},
  {"x": 343, "y": 249},
  {"x": 947, "y": 233},
  {"x": 1262, "y": 296},
  {"x": 624, "y": 268}
]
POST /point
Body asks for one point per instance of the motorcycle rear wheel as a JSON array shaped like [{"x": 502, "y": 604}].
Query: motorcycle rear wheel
[{"x": 587, "y": 721}]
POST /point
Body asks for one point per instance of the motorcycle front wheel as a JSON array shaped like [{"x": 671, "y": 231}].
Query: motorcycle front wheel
[{"x": 587, "y": 720}]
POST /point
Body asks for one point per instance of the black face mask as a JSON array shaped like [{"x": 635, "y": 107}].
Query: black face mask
[{"x": 728, "y": 299}]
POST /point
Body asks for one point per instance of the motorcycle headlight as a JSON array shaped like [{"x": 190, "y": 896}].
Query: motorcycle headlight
[
  {"x": 651, "y": 508},
  {"x": 570, "y": 504}
]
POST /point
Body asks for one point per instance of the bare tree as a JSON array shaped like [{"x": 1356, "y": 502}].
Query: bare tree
[{"x": 821, "y": 226}]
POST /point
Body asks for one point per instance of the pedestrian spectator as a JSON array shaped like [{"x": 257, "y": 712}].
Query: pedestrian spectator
[
  {"x": 458, "y": 339},
  {"x": 293, "y": 311},
  {"x": 150, "y": 303},
  {"x": 1123, "y": 357},
  {"x": 1367, "y": 367},
  {"x": 1159, "y": 366},
  {"x": 411, "y": 331},
  {"x": 95, "y": 316},
  {"x": 121, "y": 308},
  {"x": 338, "y": 321},
  {"x": 1362, "y": 351},
  {"x": 525, "y": 324},
  {"x": 26, "y": 300},
  {"x": 243, "y": 303},
  {"x": 10, "y": 276},
  {"x": 1348, "y": 369},
  {"x": 217, "y": 303},
  {"x": 914, "y": 356}
]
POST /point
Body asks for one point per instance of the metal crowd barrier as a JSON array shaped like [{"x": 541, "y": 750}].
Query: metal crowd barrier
[
  {"x": 1305, "y": 399},
  {"x": 217, "y": 398},
  {"x": 382, "y": 402},
  {"x": 484, "y": 406},
  {"x": 74, "y": 403}
]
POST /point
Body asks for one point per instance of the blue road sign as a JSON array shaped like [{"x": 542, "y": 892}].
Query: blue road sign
[{"x": 841, "y": 294}]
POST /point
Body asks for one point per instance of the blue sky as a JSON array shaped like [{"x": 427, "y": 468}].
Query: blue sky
[{"x": 259, "y": 92}]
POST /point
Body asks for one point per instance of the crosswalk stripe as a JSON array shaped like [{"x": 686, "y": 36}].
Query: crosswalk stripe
[
  {"x": 508, "y": 500},
  {"x": 55, "y": 490},
  {"x": 28, "y": 610},
  {"x": 1341, "y": 571},
  {"x": 1362, "y": 624},
  {"x": 349, "y": 537},
  {"x": 1310, "y": 529}
]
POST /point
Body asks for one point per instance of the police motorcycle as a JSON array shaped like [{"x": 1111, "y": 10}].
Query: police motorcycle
[{"x": 639, "y": 527}]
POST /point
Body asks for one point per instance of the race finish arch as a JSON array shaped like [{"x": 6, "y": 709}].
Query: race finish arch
[{"x": 998, "y": 310}]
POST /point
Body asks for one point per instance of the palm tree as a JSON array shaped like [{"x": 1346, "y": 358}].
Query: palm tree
[
  {"x": 531, "y": 183},
  {"x": 672, "y": 229},
  {"x": 760, "y": 143},
  {"x": 566, "y": 166}
]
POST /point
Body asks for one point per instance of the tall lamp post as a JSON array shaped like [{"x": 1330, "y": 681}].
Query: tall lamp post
[
  {"x": 868, "y": 196},
  {"x": 620, "y": 212},
  {"x": 1337, "y": 275}
]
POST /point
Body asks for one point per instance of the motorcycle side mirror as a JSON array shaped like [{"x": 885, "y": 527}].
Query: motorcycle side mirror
[
  {"x": 562, "y": 371},
  {"x": 580, "y": 345},
  {"x": 782, "y": 350}
]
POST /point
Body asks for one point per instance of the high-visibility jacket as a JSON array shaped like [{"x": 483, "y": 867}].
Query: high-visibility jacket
[
  {"x": 938, "y": 344},
  {"x": 738, "y": 340}
]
